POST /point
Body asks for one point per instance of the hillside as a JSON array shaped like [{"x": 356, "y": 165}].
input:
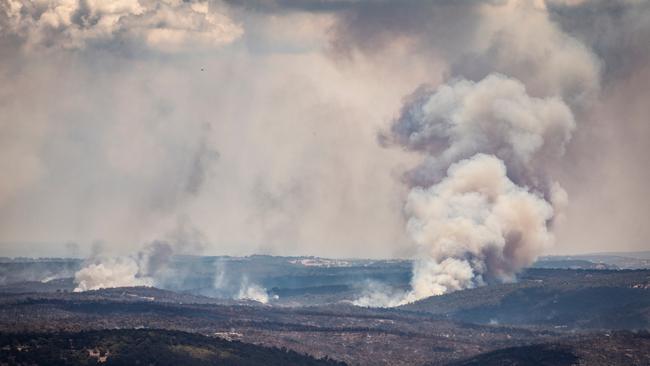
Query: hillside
[
  {"x": 551, "y": 310},
  {"x": 556, "y": 298},
  {"x": 623, "y": 348},
  {"x": 141, "y": 347}
]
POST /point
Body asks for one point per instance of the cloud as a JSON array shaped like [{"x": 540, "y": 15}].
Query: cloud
[{"x": 167, "y": 26}]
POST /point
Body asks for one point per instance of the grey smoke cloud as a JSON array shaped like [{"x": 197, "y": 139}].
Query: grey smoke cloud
[
  {"x": 476, "y": 38},
  {"x": 602, "y": 171},
  {"x": 110, "y": 272},
  {"x": 494, "y": 116}
]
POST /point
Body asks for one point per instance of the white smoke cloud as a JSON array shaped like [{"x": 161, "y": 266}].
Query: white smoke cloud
[
  {"x": 518, "y": 39},
  {"x": 379, "y": 294},
  {"x": 167, "y": 26},
  {"x": 251, "y": 291},
  {"x": 145, "y": 268},
  {"x": 475, "y": 225},
  {"x": 111, "y": 272},
  {"x": 152, "y": 266}
]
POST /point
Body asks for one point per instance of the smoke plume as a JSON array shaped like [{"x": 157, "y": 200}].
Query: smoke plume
[
  {"x": 110, "y": 272},
  {"x": 481, "y": 201},
  {"x": 149, "y": 266},
  {"x": 251, "y": 291}
]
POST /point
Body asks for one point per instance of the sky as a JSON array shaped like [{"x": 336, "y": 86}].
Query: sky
[{"x": 294, "y": 127}]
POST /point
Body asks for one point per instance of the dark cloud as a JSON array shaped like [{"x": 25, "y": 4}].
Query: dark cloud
[
  {"x": 280, "y": 6},
  {"x": 616, "y": 30},
  {"x": 441, "y": 28}
]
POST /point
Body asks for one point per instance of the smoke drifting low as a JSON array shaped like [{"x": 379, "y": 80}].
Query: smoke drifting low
[
  {"x": 147, "y": 267},
  {"x": 154, "y": 265},
  {"x": 111, "y": 272}
]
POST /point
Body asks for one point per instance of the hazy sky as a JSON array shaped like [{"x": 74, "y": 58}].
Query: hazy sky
[{"x": 242, "y": 127}]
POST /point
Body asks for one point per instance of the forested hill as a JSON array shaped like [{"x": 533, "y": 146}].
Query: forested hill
[{"x": 141, "y": 347}]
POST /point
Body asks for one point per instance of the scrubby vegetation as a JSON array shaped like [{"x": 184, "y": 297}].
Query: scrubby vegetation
[
  {"x": 141, "y": 347},
  {"x": 560, "y": 315},
  {"x": 580, "y": 299},
  {"x": 621, "y": 348}
]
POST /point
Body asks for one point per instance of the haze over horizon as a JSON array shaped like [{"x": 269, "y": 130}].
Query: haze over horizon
[
  {"x": 304, "y": 128},
  {"x": 66, "y": 250}
]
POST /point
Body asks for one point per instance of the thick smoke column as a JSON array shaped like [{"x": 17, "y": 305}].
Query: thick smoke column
[
  {"x": 474, "y": 226},
  {"x": 481, "y": 202}
]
